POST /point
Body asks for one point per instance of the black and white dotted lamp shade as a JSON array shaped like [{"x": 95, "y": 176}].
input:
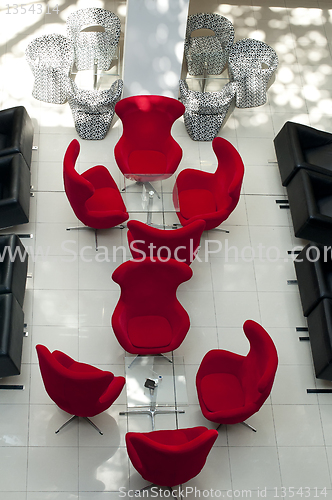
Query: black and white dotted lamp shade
[
  {"x": 94, "y": 46},
  {"x": 93, "y": 110},
  {"x": 251, "y": 65},
  {"x": 208, "y": 54},
  {"x": 50, "y": 58}
]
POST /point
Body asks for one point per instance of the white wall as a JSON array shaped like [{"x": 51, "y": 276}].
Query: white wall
[{"x": 153, "y": 46}]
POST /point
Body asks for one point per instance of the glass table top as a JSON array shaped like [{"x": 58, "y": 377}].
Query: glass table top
[
  {"x": 154, "y": 380},
  {"x": 153, "y": 196}
]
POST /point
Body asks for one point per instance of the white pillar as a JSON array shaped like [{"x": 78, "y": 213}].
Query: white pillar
[{"x": 153, "y": 46}]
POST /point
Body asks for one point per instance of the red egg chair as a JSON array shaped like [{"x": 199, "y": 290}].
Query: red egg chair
[
  {"x": 93, "y": 195},
  {"x": 148, "y": 318},
  {"x": 146, "y": 146},
  {"x": 207, "y": 196},
  {"x": 179, "y": 244},
  {"x": 231, "y": 387},
  {"x": 77, "y": 388},
  {"x": 170, "y": 457}
]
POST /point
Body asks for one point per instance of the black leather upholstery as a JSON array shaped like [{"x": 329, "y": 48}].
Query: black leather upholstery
[
  {"x": 310, "y": 201},
  {"x": 14, "y": 190},
  {"x": 313, "y": 268},
  {"x": 16, "y": 133},
  {"x": 13, "y": 269},
  {"x": 320, "y": 334},
  {"x": 301, "y": 147},
  {"x": 11, "y": 335}
]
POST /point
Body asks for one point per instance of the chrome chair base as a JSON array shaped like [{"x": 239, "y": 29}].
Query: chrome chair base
[
  {"x": 250, "y": 426},
  {"x": 120, "y": 226},
  {"x": 152, "y": 412},
  {"x": 73, "y": 418},
  {"x": 243, "y": 423}
]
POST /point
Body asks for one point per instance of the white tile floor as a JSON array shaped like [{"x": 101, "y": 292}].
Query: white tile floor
[{"x": 69, "y": 302}]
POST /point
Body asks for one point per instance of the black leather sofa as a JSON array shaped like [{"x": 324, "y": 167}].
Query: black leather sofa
[
  {"x": 310, "y": 201},
  {"x": 301, "y": 147},
  {"x": 16, "y": 136},
  {"x": 16, "y": 133},
  {"x": 13, "y": 274},
  {"x": 304, "y": 157},
  {"x": 14, "y": 190},
  {"x": 313, "y": 267},
  {"x": 11, "y": 335},
  {"x": 320, "y": 334}
]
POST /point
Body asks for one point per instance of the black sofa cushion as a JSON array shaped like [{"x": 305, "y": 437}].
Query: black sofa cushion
[
  {"x": 14, "y": 190},
  {"x": 11, "y": 335},
  {"x": 13, "y": 268},
  {"x": 320, "y": 334},
  {"x": 16, "y": 133},
  {"x": 313, "y": 268},
  {"x": 299, "y": 146},
  {"x": 310, "y": 202}
]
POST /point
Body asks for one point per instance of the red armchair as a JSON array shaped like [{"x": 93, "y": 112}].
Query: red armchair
[
  {"x": 179, "y": 244},
  {"x": 231, "y": 387},
  {"x": 77, "y": 388},
  {"x": 146, "y": 145},
  {"x": 207, "y": 196},
  {"x": 170, "y": 457},
  {"x": 93, "y": 195},
  {"x": 148, "y": 318}
]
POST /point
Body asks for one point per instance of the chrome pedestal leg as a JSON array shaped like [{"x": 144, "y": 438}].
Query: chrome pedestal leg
[
  {"x": 250, "y": 426},
  {"x": 73, "y": 418},
  {"x": 93, "y": 425},
  {"x": 66, "y": 423},
  {"x": 152, "y": 412}
]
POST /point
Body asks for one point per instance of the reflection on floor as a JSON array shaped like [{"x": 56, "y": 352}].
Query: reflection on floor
[{"x": 71, "y": 296}]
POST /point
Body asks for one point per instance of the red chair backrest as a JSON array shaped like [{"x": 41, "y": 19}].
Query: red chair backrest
[
  {"x": 78, "y": 189},
  {"x": 260, "y": 365},
  {"x": 147, "y": 120},
  {"x": 141, "y": 236},
  {"x": 76, "y": 392},
  {"x": 229, "y": 174},
  {"x": 167, "y": 464},
  {"x": 149, "y": 287}
]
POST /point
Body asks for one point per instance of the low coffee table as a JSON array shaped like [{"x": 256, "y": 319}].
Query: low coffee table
[
  {"x": 150, "y": 196},
  {"x": 155, "y": 384}
]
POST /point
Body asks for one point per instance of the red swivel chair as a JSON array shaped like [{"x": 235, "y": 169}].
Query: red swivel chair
[
  {"x": 77, "y": 388},
  {"x": 171, "y": 457},
  {"x": 179, "y": 244},
  {"x": 93, "y": 195},
  {"x": 149, "y": 319},
  {"x": 231, "y": 387},
  {"x": 211, "y": 197},
  {"x": 146, "y": 145}
]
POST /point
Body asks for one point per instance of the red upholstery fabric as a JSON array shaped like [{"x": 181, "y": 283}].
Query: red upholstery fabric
[
  {"x": 231, "y": 387},
  {"x": 195, "y": 202},
  {"x": 77, "y": 388},
  {"x": 146, "y": 145},
  {"x": 222, "y": 391},
  {"x": 223, "y": 186},
  {"x": 171, "y": 457},
  {"x": 182, "y": 243},
  {"x": 93, "y": 195},
  {"x": 147, "y": 162},
  {"x": 148, "y": 291},
  {"x": 149, "y": 331}
]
